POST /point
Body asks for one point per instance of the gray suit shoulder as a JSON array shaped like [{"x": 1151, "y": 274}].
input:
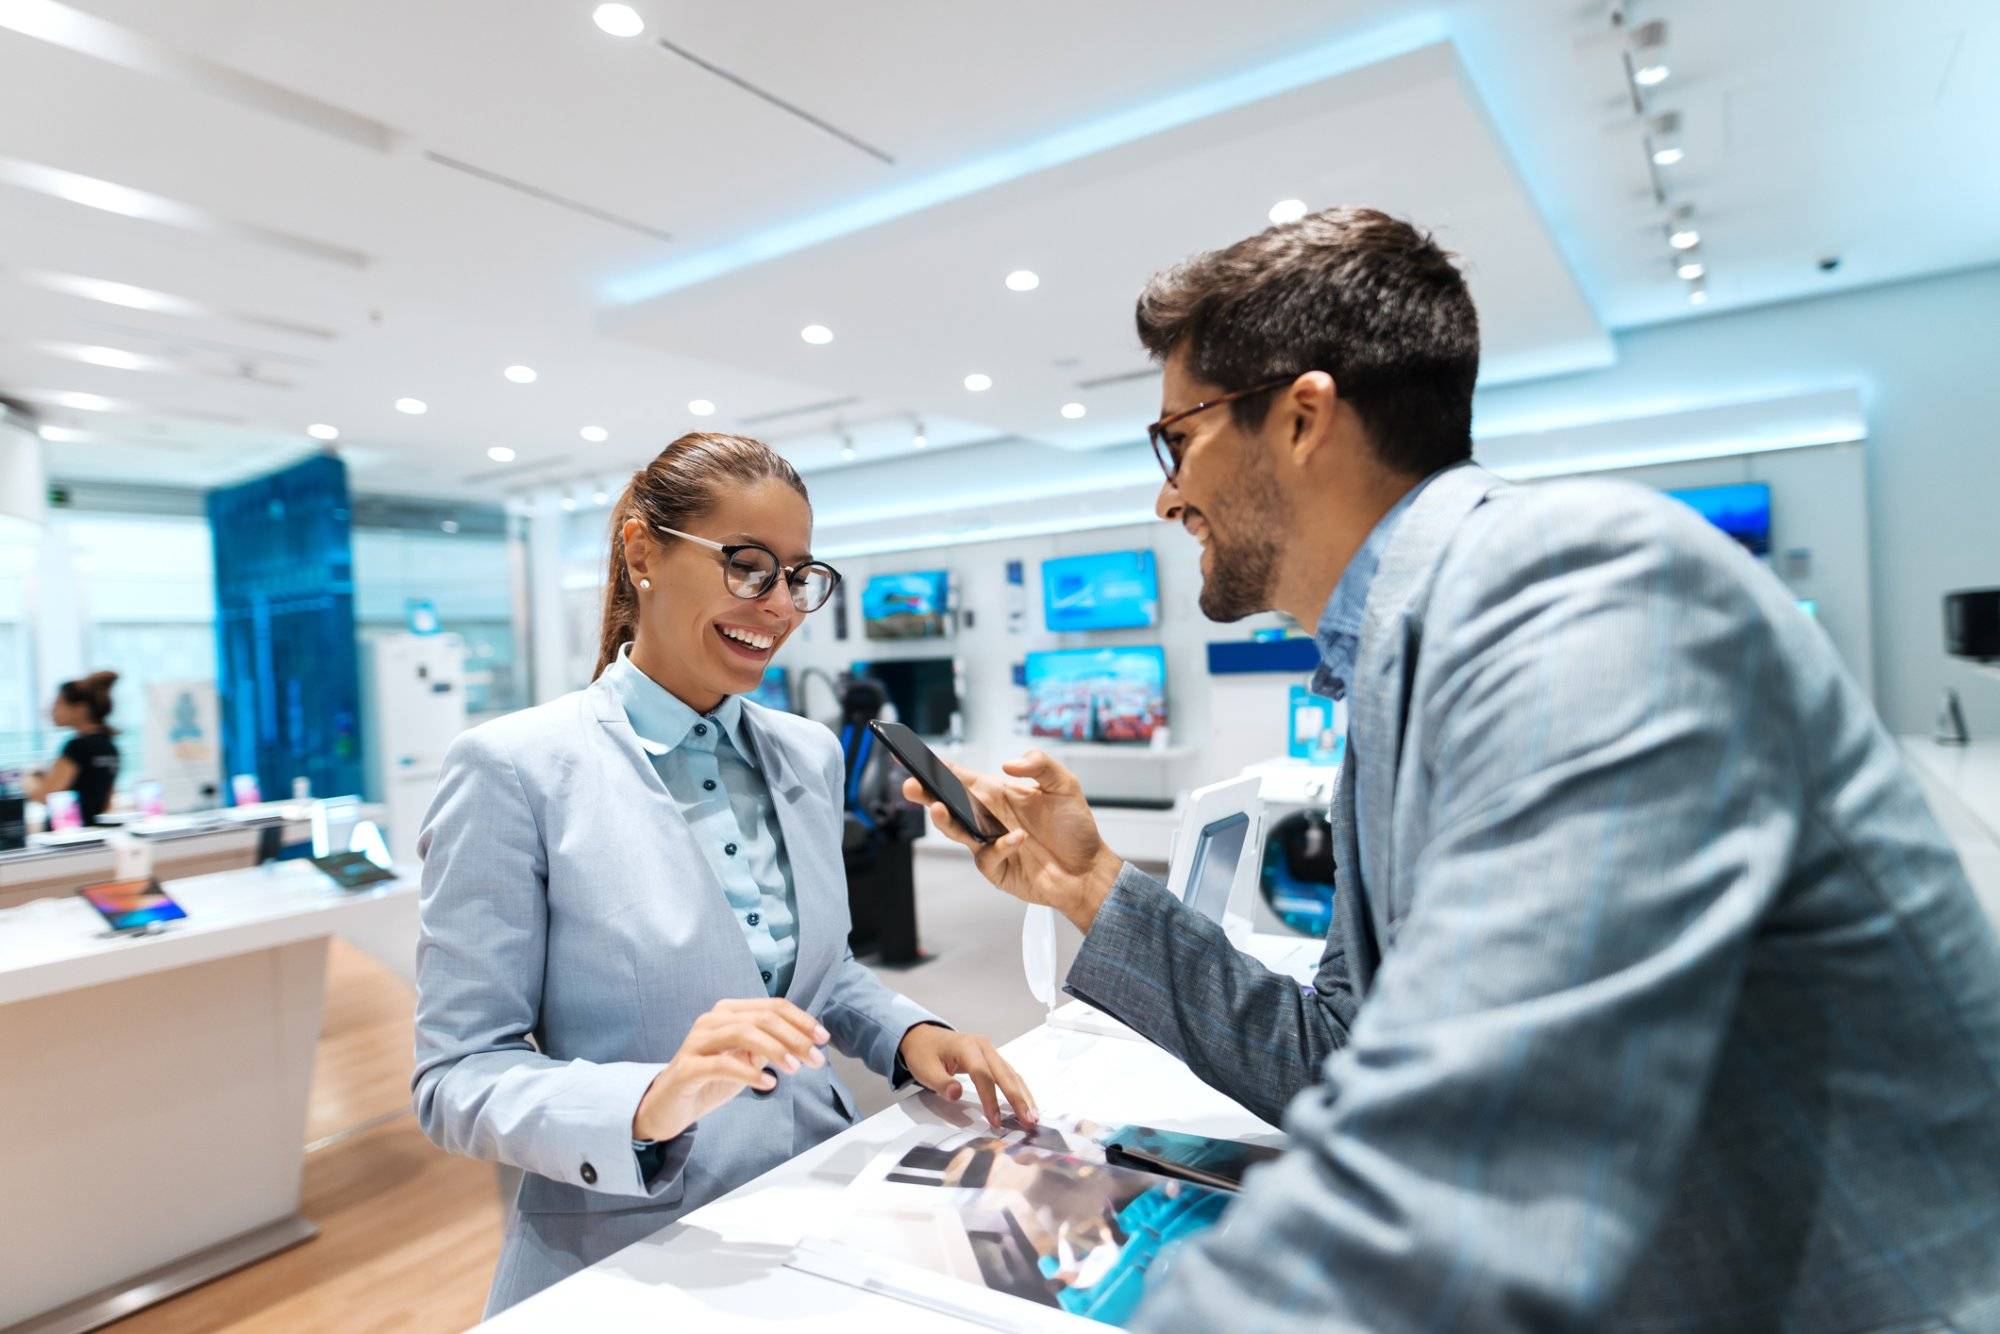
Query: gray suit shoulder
[{"x": 1575, "y": 521}]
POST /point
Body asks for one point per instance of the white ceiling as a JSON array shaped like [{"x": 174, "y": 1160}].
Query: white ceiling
[{"x": 1848, "y": 127}]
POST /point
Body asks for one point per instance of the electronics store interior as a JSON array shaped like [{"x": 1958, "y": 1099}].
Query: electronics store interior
[{"x": 923, "y": 667}]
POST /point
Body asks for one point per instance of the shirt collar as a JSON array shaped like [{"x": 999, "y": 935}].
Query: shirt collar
[
  {"x": 658, "y": 716},
  {"x": 1338, "y": 634}
]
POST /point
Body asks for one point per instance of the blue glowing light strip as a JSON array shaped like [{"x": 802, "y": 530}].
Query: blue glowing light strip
[{"x": 1079, "y": 141}]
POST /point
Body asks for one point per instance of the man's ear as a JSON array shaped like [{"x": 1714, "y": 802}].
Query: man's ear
[{"x": 1310, "y": 409}]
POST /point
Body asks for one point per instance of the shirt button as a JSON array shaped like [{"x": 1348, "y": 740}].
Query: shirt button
[
  {"x": 701, "y": 729},
  {"x": 729, "y": 849},
  {"x": 708, "y": 785},
  {"x": 753, "y": 919},
  {"x": 589, "y": 1175},
  {"x": 766, "y": 975}
]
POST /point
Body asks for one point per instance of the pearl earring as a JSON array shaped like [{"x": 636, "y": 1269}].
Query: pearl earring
[{"x": 645, "y": 585}]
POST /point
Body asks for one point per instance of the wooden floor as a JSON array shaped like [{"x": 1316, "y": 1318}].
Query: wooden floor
[{"x": 408, "y": 1234}]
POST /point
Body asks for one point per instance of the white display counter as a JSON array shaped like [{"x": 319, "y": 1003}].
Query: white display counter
[
  {"x": 154, "y": 1125},
  {"x": 722, "y": 1267},
  {"x": 1962, "y": 784}
]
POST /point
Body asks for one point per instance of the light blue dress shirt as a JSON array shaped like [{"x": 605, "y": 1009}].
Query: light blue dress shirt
[
  {"x": 708, "y": 766},
  {"x": 1338, "y": 634}
]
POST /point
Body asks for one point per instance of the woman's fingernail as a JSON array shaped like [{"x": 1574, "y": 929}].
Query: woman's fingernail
[
  {"x": 821, "y": 1035},
  {"x": 816, "y": 1056},
  {"x": 791, "y": 1064}
]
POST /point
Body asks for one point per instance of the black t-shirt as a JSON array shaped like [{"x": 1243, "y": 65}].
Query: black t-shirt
[{"x": 95, "y": 756}]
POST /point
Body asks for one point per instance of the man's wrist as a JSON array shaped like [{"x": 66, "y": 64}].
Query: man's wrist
[{"x": 1098, "y": 883}]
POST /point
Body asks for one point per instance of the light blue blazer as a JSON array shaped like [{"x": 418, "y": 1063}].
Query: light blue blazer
[{"x": 572, "y": 932}]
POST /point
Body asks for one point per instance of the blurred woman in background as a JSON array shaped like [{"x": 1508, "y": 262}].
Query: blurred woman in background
[{"x": 88, "y": 763}]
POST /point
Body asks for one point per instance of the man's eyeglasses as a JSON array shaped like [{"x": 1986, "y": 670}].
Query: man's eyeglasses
[
  {"x": 1168, "y": 453},
  {"x": 749, "y": 570}
]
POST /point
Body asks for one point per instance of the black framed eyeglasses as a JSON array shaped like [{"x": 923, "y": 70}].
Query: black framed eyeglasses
[
  {"x": 749, "y": 569},
  {"x": 1169, "y": 454}
]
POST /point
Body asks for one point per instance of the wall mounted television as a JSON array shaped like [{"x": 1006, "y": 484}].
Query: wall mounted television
[
  {"x": 924, "y": 690},
  {"x": 1116, "y": 695},
  {"x": 1742, "y": 510},
  {"x": 1108, "y": 590},
  {"x": 914, "y": 605}
]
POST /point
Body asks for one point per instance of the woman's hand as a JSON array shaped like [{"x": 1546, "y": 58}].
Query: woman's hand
[
  {"x": 935, "y": 1056},
  {"x": 1052, "y": 854},
  {"x": 727, "y": 1051}
]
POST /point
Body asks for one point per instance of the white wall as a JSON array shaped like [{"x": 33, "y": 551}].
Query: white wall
[{"x": 1920, "y": 355}]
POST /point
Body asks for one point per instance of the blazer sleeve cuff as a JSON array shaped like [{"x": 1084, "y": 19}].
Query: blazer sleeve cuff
[
  {"x": 598, "y": 1108},
  {"x": 1126, "y": 927}
]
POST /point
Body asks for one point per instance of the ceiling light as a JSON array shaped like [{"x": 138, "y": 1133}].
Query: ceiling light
[
  {"x": 1073, "y": 410},
  {"x": 84, "y": 402},
  {"x": 1663, "y": 138},
  {"x": 1667, "y": 157},
  {"x": 619, "y": 20},
  {"x": 596, "y": 435},
  {"x": 1650, "y": 76},
  {"x": 321, "y": 431},
  {"x": 846, "y": 447},
  {"x": 1287, "y": 210},
  {"x": 64, "y": 435},
  {"x": 500, "y": 454},
  {"x": 816, "y": 334},
  {"x": 600, "y": 497},
  {"x": 1691, "y": 269},
  {"x": 449, "y": 525},
  {"x": 416, "y": 407},
  {"x": 1023, "y": 280},
  {"x": 521, "y": 374},
  {"x": 1698, "y": 296},
  {"x": 978, "y": 383},
  {"x": 569, "y": 504},
  {"x": 920, "y": 441},
  {"x": 1684, "y": 238},
  {"x": 701, "y": 407},
  {"x": 116, "y": 359}
]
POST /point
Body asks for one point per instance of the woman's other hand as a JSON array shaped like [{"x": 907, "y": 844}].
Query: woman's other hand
[
  {"x": 737, "y": 1045},
  {"x": 935, "y": 1056}
]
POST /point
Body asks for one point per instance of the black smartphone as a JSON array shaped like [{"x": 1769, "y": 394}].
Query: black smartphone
[
  {"x": 938, "y": 780},
  {"x": 352, "y": 870}
]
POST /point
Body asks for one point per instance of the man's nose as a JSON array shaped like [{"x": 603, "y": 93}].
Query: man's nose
[{"x": 1167, "y": 505}]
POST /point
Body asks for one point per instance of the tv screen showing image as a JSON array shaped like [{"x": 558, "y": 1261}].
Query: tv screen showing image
[
  {"x": 1742, "y": 510},
  {"x": 774, "y": 691},
  {"x": 1110, "y": 590},
  {"x": 905, "y": 606},
  {"x": 923, "y": 690},
  {"x": 1116, "y": 695}
]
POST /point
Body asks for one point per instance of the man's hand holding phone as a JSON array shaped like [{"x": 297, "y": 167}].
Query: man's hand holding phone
[{"x": 1052, "y": 853}]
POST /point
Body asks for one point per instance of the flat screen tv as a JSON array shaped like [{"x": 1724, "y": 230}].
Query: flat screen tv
[
  {"x": 1116, "y": 695},
  {"x": 906, "y": 606},
  {"x": 924, "y": 690},
  {"x": 1742, "y": 510},
  {"x": 774, "y": 691},
  {"x": 1109, "y": 590}
]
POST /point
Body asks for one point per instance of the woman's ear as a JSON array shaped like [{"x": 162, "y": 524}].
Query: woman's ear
[{"x": 638, "y": 547}]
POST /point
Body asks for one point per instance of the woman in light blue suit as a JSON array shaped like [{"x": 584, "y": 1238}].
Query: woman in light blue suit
[{"x": 633, "y": 902}]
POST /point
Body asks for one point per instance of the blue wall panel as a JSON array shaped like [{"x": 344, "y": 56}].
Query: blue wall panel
[{"x": 286, "y": 668}]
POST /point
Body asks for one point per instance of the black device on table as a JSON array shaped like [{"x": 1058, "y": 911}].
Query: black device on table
[
  {"x": 352, "y": 870},
  {"x": 938, "y": 780}
]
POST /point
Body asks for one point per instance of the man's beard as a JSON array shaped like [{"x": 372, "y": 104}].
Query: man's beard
[{"x": 1243, "y": 568}]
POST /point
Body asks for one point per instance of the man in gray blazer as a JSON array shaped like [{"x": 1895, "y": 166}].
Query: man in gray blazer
[{"x": 1654, "y": 998}]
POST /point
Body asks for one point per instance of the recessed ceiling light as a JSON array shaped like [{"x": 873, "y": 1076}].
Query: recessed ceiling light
[
  {"x": 116, "y": 359},
  {"x": 500, "y": 454},
  {"x": 416, "y": 407},
  {"x": 1650, "y": 76},
  {"x": 596, "y": 435},
  {"x": 64, "y": 435},
  {"x": 1073, "y": 410},
  {"x": 619, "y": 20},
  {"x": 1287, "y": 210},
  {"x": 1667, "y": 157},
  {"x": 816, "y": 334},
  {"x": 701, "y": 407},
  {"x": 84, "y": 402},
  {"x": 600, "y": 497},
  {"x": 978, "y": 383},
  {"x": 1698, "y": 297},
  {"x": 1023, "y": 280},
  {"x": 1691, "y": 269},
  {"x": 569, "y": 504},
  {"x": 521, "y": 374},
  {"x": 1685, "y": 238},
  {"x": 920, "y": 441},
  {"x": 449, "y": 525},
  {"x": 321, "y": 431}
]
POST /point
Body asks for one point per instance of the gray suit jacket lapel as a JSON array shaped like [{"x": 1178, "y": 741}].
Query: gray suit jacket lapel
[{"x": 1378, "y": 703}]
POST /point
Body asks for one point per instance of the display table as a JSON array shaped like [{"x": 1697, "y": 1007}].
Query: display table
[
  {"x": 722, "y": 1267},
  {"x": 177, "y": 846},
  {"x": 154, "y": 1124}
]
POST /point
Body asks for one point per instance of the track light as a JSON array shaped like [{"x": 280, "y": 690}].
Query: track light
[
  {"x": 1648, "y": 54},
  {"x": 1663, "y": 139},
  {"x": 1681, "y": 233},
  {"x": 919, "y": 440}
]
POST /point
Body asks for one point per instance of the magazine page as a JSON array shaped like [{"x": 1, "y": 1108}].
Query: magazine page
[
  {"x": 1203, "y": 1159},
  {"x": 1010, "y": 1230}
]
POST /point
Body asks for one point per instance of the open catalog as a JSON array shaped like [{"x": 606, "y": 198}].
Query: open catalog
[{"x": 1029, "y": 1228}]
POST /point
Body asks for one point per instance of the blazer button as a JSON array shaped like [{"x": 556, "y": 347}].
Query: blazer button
[
  {"x": 766, "y": 975},
  {"x": 729, "y": 849},
  {"x": 708, "y": 785},
  {"x": 589, "y": 1175},
  {"x": 753, "y": 919}
]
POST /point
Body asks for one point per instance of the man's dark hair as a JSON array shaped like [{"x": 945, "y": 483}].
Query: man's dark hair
[{"x": 1365, "y": 297}]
